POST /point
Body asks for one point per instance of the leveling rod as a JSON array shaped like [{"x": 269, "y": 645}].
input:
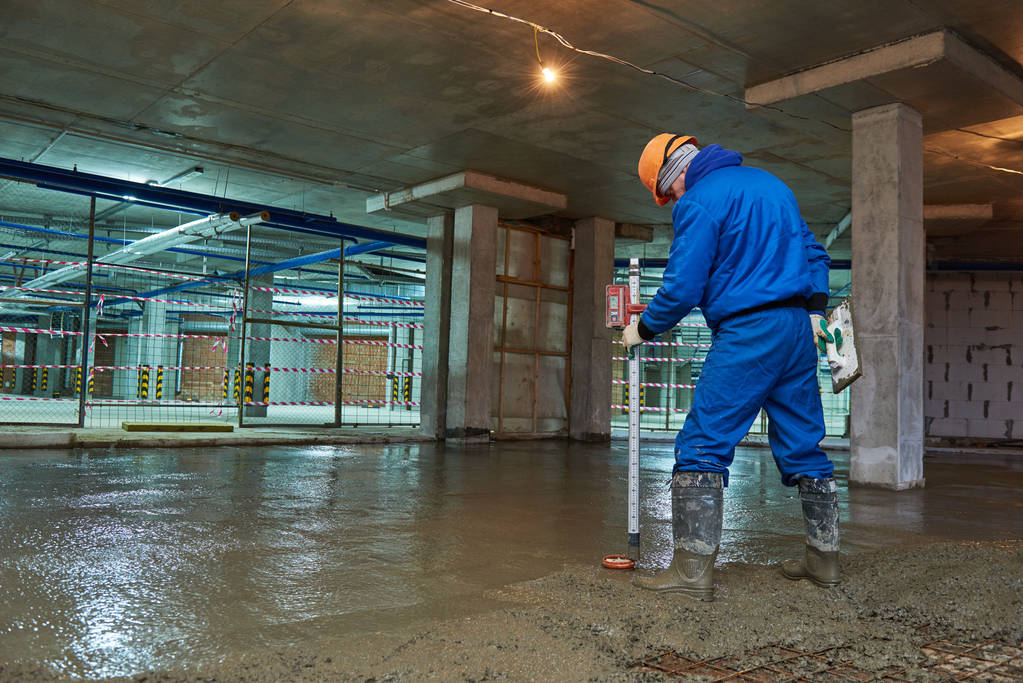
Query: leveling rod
[{"x": 623, "y": 307}]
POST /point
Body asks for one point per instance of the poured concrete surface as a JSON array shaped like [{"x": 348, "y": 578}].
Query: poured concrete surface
[{"x": 416, "y": 561}]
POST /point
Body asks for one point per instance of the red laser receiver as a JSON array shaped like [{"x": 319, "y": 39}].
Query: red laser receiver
[{"x": 619, "y": 308}]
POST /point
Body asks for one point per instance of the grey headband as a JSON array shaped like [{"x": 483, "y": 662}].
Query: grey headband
[{"x": 674, "y": 166}]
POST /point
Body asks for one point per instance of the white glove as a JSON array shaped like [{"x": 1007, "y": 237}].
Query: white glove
[
  {"x": 630, "y": 336},
  {"x": 815, "y": 325}
]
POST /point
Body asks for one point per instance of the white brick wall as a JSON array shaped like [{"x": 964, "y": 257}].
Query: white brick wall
[{"x": 973, "y": 371}]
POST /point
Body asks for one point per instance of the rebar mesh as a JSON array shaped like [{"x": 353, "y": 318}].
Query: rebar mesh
[{"x": 988, "y": 660}]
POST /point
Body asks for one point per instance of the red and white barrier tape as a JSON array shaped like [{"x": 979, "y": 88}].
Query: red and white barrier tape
[
  {"x": 99, "y": 304},
  {"x": 33, "y": 330},
  {"x": 653, "y": 343},
  {"x": 382, "y": 323},
  {"x": 653, "y": 409},
  {"x": 400, "y": 302},
  {"x": 363, "y": 402},
  {"x": 657, "y": 360},
  {"x": 266, "y": 368},
  {"x": 219, "y": 338},
  {"x": 10, "y": 365},
  {"x": 656, "y": 384},
  {"x": 5, "y": 397},
  {"x": 353, "y": 371},
  {"x": 98, "y": 264}
]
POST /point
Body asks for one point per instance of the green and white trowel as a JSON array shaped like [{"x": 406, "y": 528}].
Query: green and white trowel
[{"x": 839, "y": 344}]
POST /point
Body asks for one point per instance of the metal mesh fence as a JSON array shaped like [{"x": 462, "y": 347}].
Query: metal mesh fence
[
  {"x": 41, "y": 317},
  {"x": 671, "y": 368},
  {"x": 177, "y": 329}
]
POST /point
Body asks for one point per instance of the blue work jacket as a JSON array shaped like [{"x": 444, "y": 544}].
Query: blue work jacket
[{"x": 739, "y": 242}]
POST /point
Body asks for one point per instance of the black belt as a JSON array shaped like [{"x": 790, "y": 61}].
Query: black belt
[{"x": 791, "y": 302}]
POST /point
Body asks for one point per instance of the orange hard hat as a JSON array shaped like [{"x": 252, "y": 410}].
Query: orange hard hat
[{"x": 654, "y": 155}]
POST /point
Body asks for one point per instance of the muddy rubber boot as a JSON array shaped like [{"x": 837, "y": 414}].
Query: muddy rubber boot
[
  {"x": 696, "y": 508},
  {"x": 820, "y": 510}
]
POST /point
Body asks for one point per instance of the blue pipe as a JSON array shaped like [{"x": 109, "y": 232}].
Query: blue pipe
[
  {"x": 116, "y": 190},
  {"x": 379, "y": 295},
  {"x": 296, "y": 262},
  {"x": 60, "y": 233},
  {"x": 366, "y": 248}
]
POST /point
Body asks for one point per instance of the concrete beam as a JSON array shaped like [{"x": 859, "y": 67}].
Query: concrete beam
[
  {"x": 911, "y": 53},
  {"x": 631, "y": 232},
  {"x": 951, "y": 220},
  {"x": 511, "y": 198},
  {"x": 958, "y": 212}
]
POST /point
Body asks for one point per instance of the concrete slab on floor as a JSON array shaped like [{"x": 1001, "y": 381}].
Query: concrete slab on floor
[
  {"x": 177, "y": 427},
  {"x": 24, "y": 438}
]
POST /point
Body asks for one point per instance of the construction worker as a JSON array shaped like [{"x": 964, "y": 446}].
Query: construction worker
[{"x": 742, "y": 253}]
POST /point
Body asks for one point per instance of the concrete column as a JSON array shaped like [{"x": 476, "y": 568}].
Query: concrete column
[
  {"x": 157, "y": 351},
  {"x": 21, "y": 383},
  {"x": 436, "y": 325},
  {"x": 471, "y": 333},
  {"x": 886, "y": 411},
  {"x": 590, "y": 410}
]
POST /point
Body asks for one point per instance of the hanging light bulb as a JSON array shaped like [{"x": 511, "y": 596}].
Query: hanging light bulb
[{"x": 548, "y": 73}]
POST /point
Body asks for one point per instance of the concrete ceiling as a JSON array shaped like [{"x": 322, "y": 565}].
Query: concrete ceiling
[{"x": 319, "y": 104}]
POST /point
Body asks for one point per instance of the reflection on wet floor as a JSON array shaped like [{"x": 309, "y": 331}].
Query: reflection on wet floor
[{"x": 117, "y": 562}]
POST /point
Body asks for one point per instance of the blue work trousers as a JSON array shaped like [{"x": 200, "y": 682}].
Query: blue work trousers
[{"x": 765, "y": 359}]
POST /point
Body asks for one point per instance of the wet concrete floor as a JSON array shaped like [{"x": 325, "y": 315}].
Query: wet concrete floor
[{"x": 116, "y": 562}]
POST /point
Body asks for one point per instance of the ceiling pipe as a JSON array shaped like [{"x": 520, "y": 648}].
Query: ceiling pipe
[
  {"x": 203, "y": 228},
  {"x": 116, "y": 190},
  {"x": 838, "y": 230},
  {"x": 109, "y": 240},
  {"x": 289, "y": 264}
]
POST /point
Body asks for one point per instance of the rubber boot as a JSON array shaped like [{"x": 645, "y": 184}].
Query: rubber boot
[
  {"x": 820, "y": 510},
  {"x": 696, "y": 508}
]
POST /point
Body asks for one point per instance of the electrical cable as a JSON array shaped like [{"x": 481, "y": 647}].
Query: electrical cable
[
  {"x": 989, "y": 137},
  {"x": 537, "y": 28},
  {"x": 650, "y": 72},
  {"x": 952, "y": 155}
]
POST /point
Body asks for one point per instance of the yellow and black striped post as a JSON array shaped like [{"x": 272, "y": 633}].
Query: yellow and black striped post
[
  {"x": 266, "y": 387},
  {"x": 642, "y": 397},
  {"x": 395, "y": 389},
  {"x": 78, "y": 380},
  {"x": 2, "y": 383},
  {"x": 227, "y": 383},
  {"x": 34, "y": 373},
  {"x": 45, "y": 377},
  {"x": 250, "y": 381},
  {"x": 92, "y": 380},
  {"x": 406, "y": 392},
  {"x": 144, "y": 382},
  {"x": 237, "y": 384},
  {"x": 159, "y": 382}
]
